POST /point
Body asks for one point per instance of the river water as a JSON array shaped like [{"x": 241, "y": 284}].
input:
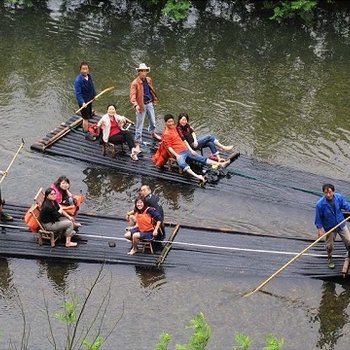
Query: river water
[{"x": 279, "y": 93}]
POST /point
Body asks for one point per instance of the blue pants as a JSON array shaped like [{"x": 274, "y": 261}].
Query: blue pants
[
  {"x": 207, "y": 141},
  {"x": 187, "y": 154},
  {"x": 140, "y": 119}
]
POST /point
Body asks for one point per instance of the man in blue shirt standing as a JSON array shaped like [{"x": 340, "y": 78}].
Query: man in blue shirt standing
[
  {"x": 84, "y": 92},
  {"x": 329, "y": 214}
]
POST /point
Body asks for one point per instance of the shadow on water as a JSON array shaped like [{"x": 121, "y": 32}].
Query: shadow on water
[
  {"x": 57, "y": 274},
  {"x": 332, "y": 314},
  {"x": 5, "y": 277},
  {"x": 150, "y": 278}
]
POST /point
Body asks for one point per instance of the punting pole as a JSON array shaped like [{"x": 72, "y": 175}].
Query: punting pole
[
  {"x": 95, "y": 98},
  {"x": 76, "y": 123},
  {"x": 13, "y": 159},
  {"x": 295, "y": 258},
  {"x": 62, "y": 133},
  {"x": 167, "y": 247}
]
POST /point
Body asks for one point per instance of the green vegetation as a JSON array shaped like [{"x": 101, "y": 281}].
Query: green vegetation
[
  {"x": 202, "y": 333},
  {"x": 178, "y": 10},
  {"x": 289, "y": 9},
  {"x": 83, "y": 331}
]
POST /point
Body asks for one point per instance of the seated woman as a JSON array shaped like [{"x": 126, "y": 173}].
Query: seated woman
[
  {"x": 65, "y": 198},
  {"x": 147, "y": 222},
  {"x": 54, "y": 218},
  {"x": 113, "y": 132},
  {"x": 187, "y": 133}
]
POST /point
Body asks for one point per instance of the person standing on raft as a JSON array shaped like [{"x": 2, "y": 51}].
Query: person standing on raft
[{"x": 329, "y": 214}]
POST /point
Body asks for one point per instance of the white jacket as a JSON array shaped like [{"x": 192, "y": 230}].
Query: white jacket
[{"x": 105, "y": 124}]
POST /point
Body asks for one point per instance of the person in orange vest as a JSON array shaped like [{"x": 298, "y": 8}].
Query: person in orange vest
[{"x": 147, "y": 222}]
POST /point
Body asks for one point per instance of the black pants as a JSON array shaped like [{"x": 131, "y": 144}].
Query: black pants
[
  {"x": 121, "y": 137},
  {"x": 86, "y": 112}
]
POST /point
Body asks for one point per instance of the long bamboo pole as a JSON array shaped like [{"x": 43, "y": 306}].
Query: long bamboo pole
[
  {"x": 95, "y": 98},
  {"x": 295, "y": 258},
  {"x": 76, "y": 123},
  {"x": 62, "y": 133},
  {"x": 13, "y": 159}
]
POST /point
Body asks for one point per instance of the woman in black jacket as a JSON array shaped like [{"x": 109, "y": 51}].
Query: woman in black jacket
[{"x": 55, "y": 219}]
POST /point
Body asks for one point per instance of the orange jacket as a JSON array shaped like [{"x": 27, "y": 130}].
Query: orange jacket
[{"x": 136, "y": 93}]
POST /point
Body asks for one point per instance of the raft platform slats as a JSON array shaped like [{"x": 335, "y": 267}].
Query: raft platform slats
[
  {"x": 17, "y": 241},
  {"x": 195, "y": 249},
  {"x": 74, "y": 145}
]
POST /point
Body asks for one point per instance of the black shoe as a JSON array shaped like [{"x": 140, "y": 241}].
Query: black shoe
[
  {"x": 90, "y": 137},
  {"x": 331, "y": 264},
  {"x": 5, "y": 217}
]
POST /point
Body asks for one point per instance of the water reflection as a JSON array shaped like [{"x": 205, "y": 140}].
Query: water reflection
[
  {"x": 106, "y": 183},
  {"x": 332, "y": 314},
  {"x": 57, "y": 273},
  {"x": 102, "y": 182},
  {"x": 5, "y": 277},
  {"x": 150, "y": 278}
]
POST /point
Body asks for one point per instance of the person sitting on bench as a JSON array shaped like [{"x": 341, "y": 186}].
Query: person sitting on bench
[
  {"x": 187, "y": 133},
  {"x": 147, "y": 222},
  {"x": 54, "y": 218},
  {"x": 113, "y": 132},
  {"x": 181, "y": 150}
]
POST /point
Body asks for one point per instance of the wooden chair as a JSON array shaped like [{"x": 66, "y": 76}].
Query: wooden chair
[
  {"x": 39, "y": 197},
  {"x": 42, "y": 232},
  {"x": 111, "y": 148},
  {"x": 147, "y": 245}
]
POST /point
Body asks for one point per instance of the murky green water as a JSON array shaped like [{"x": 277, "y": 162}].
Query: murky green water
[{"x": 279, "y": 93}]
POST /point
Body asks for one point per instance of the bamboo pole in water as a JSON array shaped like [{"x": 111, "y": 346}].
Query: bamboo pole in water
[
  {"x": 13, "y": 159},
  {"x": 295, "y": 258}
]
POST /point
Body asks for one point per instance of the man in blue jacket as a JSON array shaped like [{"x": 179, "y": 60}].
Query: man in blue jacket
[
  {"x": 84, "y": 92},
  {"x": 329, "y": 214}
]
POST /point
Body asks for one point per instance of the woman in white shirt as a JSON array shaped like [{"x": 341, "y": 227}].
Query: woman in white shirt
[{"x": 112, "y": 130}]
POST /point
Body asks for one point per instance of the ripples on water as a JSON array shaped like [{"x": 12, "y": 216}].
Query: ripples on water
[{"x": 277, "y": 92}]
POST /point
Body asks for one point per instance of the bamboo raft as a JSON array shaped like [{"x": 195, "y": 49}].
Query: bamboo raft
[
  {"x": 68, "y": 141},
  {"x": 204, "y": 250}
]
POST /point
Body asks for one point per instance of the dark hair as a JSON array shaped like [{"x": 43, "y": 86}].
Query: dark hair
[
  {"x": 325, "y": 187},
  {"x": 83, "y": 63},
  {"x": 59, "y": 180},
  {"x": 137, "y": 210},
  {"x": 48, "y": 191},
  {"x": 168, "y": 116},
  {"x": 183, "y": 114},
  {"x": 111, "y": 104}
]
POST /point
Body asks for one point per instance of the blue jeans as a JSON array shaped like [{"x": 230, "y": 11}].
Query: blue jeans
[
  {"x": 207, "y": 141},
  {"x": 187, "y": 154},
  {"x": 140, "y": 119}
]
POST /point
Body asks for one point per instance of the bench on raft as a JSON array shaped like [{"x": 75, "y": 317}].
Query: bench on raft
[{"x": 34, "y": 212}]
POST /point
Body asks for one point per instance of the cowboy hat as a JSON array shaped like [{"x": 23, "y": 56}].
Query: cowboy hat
[{"x": 143, "y": 66}]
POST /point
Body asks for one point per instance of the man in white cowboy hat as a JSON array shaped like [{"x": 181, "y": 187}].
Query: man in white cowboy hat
[{"x": 143, "y": 98}]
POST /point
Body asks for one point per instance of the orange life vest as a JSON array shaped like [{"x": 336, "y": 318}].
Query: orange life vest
[
  {"x": 31, "y": 223},
  {"x": 144, "y": 221}
]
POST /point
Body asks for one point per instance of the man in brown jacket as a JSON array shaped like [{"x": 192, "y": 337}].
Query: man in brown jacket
[{"x": 143, "y": 98}]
